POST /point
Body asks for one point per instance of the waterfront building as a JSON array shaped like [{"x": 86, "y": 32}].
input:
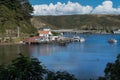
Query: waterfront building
[
  {"x": 46, "y": 33},
  {"x": 34, "y": 39}
]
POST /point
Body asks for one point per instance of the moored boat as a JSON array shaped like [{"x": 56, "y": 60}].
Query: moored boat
[
  {"x": 78, "y": 39},
  {"x": 112, "y": 41}
]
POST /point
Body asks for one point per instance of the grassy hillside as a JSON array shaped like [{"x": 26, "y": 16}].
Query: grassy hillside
[
  {"x": 13, "y": 14},
  {"x": 86, "y": 22}
]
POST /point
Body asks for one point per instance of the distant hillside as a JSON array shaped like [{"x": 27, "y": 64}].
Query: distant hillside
[
  {"x": 86, "y": 22},
  {"x": 14, "y": 14}
]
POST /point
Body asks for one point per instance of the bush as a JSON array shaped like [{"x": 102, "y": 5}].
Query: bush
[
  {"x": 112, "y": 70},
  {"x": 25, "y": 68}
]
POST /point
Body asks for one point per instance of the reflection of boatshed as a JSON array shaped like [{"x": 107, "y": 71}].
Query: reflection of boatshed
[
  {"x": 62, "y": 43},
  {"x": 116, "y": 31}
]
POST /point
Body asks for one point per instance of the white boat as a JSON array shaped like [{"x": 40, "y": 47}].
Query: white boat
[
  {"x": 78, "y": 39},
  {"x": 112, "y": 41},
  {"x": 116, "y": 31},
  {"x": 82, "y": 39}
]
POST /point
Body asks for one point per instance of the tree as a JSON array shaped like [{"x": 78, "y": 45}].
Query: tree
[
  {"x": 14, "y": 13},
  {"x": 25, "y": 68},
  {"x": 112, "y": 70},
  {"x": 59, "y": 76}
]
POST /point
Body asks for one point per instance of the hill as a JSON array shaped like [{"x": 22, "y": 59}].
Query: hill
[
  {"x": 14, "y": 14},
  {"x": 81, "y": 22}
]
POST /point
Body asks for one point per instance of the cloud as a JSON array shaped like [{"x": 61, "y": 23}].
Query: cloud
[
  {"x": 75, "y": 8},
  {"x": 61, "y": 9},
  {"x": 106, "y": 8}
]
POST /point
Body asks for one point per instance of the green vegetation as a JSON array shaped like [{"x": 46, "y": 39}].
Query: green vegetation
[
  {"x": 24, "y": 68},
  {"x": 112, "y": 70},
  {"x": 83, "y": 22},
  {"x": 14, "y": 14},
  {"x": 55, "y": 33}
]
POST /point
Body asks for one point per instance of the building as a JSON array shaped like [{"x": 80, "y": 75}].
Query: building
[
  {"x": 45, "y": 32},
  {"x": 35, "y": 39}
]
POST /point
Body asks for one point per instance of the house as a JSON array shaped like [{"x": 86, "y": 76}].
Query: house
[
  {"x": 49, "y": 36},
  {"x": 45, "y": 33}
]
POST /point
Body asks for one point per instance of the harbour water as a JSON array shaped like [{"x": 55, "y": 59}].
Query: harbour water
[{"x": 85, "y": 60}]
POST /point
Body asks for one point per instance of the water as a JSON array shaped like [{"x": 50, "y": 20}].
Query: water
[{"x": 84, "y": 60}]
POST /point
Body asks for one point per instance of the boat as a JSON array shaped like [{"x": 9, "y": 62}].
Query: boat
[
  {"x": 78, "y": 39},
  {"x": 112, "y": 41},
  {"x": 116, "y": 31},
  {"x": 82, "y": 39}
]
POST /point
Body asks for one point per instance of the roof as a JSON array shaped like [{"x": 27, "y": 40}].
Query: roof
[
  {"x": 43, "y": 32},
  {"x": 32, "y": 39}
]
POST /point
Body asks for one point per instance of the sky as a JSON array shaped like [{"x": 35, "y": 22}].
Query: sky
[{"x": 69, "y": 7}]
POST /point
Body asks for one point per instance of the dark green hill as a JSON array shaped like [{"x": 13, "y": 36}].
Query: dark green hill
[
  {"x": 14, "y": 14},
  {"x": 86, "y": 22}
]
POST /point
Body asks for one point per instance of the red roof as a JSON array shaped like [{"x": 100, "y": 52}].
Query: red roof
[
  {"x": 32, "y": 39},
  {"x": 43, "y": 32}
]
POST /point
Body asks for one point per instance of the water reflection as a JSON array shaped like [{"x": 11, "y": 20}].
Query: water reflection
[
  {"x": 10, "y": 52},
  {"x": 45, "y": 49}
]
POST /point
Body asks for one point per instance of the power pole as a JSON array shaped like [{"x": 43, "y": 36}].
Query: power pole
[{"x": 18, "y": 32}]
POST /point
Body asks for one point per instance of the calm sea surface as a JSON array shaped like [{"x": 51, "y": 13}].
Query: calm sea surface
[{"x": 84, "y": 60}]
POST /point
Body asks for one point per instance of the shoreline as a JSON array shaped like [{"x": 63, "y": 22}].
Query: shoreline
[
  {"x": 10, "y": 43},
  {"x": 18, "y": 43}
]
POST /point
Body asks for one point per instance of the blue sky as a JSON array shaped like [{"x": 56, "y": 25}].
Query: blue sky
[
  {"x": 94, "y": 3},
  {"x": 69, "y": 7}
]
